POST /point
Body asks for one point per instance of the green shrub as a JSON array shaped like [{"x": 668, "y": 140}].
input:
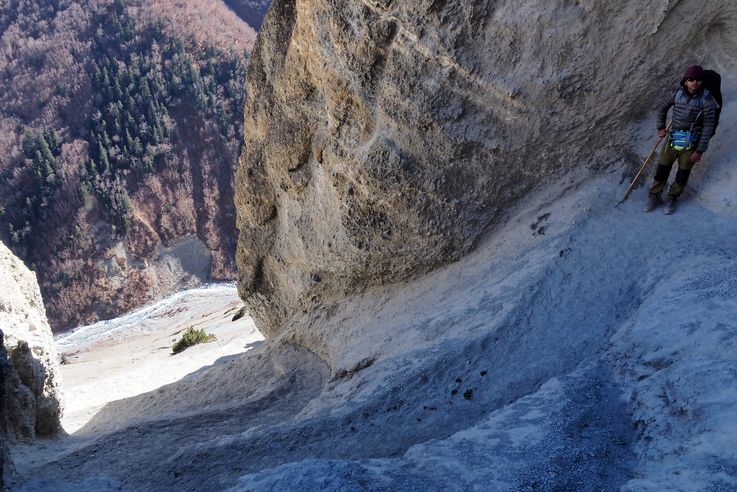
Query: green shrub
[{"x": 191, "y": 337}]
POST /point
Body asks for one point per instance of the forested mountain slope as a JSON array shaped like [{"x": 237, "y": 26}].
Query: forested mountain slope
[{"x": 121, "y": 124}]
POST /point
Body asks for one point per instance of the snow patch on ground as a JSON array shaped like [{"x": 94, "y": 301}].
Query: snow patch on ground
[{"x": 130, "y": 355}]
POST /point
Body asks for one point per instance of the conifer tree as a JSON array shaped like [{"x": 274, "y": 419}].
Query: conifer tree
[
  {"x": 136, "y": 147},
  {"x": 117, "y": 91},
  {"x": 45, "y": 151},
  {"x": 54, "y": 141},
  {"x": 145, "y": 92},
  {"x": 103, "y": 158}
]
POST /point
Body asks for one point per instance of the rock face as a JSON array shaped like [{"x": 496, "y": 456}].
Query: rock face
[
  {"x": 6, "y": 467},
  {"x": 32, "y": 403},
  {"x": 384, "y": 138}
]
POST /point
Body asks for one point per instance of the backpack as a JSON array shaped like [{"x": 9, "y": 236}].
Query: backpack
[{"x": 713, "y": 83}]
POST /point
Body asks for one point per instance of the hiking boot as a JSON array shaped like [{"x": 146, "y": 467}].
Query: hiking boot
[
  {"x": 671, "y": 207},
  {"x": 653, "y": 202}
]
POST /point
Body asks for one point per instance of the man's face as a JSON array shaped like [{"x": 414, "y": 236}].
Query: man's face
[{"x": 693, "y": 84}]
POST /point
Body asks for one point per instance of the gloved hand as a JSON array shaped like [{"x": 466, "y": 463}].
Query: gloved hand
[
  {"x": 695, "y": 157},
  {"x": 661, "y": 133}
]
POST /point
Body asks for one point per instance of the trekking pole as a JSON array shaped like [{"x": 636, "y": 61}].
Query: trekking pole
[{"x": 642, "y": 168}]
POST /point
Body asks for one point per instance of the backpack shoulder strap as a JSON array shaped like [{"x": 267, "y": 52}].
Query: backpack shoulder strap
[{"x": 708, "y": 94}]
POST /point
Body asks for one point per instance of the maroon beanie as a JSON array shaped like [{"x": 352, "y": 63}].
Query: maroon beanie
[{"x": 694, "y": 72}]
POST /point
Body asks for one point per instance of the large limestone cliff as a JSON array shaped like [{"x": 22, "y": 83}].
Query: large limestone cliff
[
  {"x": 384, "y": 138},
  {"x": 32, "y": 402}
]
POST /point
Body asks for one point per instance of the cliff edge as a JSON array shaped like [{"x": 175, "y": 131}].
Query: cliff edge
[{"x": 32, "y": 403}]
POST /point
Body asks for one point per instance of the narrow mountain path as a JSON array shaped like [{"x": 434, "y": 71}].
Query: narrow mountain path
[
  {"x": 513, "y": 366},
  {"x": 547, "y": 398}
]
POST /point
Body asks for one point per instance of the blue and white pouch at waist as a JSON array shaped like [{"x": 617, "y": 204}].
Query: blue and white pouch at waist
[{"x": 682, "y": 139}]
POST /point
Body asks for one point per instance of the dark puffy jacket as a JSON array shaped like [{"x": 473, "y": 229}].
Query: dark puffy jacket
[{"x": 695, "y": 113}]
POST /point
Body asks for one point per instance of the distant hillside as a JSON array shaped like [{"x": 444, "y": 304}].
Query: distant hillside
[
  {"x": 120, "y": 127},
  {"x": 213, "y": 21},
  {"x": 251, "y": 11}
]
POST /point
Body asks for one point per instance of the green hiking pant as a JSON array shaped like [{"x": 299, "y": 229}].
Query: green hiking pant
[{"x": 665, "y": 162}]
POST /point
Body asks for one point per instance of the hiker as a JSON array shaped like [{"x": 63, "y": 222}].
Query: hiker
[{"x": 692, "y": 126}]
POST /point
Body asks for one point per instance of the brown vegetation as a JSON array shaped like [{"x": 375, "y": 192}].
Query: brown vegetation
[{"x": 120, "y": 125}]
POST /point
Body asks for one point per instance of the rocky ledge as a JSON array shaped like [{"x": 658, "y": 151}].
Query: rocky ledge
[{"x": 30, "y": 389}]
